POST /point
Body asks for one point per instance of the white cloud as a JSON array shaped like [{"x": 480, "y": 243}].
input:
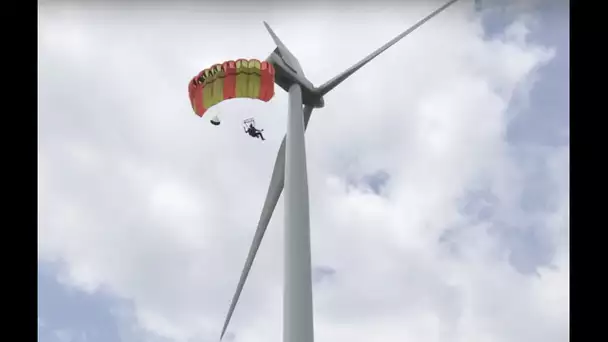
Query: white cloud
[
  {"x": 63, "y": 335},
  {"x": 142, "y": 197}
]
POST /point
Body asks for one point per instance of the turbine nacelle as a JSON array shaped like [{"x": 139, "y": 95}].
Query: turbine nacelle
[{"x": 286, "y": 76}]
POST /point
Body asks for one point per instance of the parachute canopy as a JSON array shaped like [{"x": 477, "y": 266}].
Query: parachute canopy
[{"x": 242, "y": 78}]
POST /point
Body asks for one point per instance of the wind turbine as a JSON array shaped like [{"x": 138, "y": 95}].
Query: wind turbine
[{"x": 290, "y": 172}]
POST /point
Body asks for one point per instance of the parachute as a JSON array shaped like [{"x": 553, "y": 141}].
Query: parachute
[{"x": 231, "y": 79}]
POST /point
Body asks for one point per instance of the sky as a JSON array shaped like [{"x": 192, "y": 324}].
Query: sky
[{"x": 438, "y": 173}]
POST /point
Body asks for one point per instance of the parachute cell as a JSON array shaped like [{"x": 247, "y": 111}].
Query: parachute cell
[
  {"x": 218, "y": 84},
  {"x": 242, "y": 78},
  {"x": 253, "y": 84},
  {"x": 266, "y": 81},
  {"x": 229, "y": 80}
]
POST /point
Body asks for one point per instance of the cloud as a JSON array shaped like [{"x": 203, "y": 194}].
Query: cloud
[{"x": 143, "y": 198}]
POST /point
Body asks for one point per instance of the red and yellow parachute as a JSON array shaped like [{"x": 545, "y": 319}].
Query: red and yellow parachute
[{"x": 243, "y": 78}]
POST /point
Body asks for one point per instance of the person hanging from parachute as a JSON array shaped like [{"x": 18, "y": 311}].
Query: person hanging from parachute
[
  {"x": 229, "y": 80},
  {"x": 248, "y": 126},
  {"x": 254, "y": 132}
]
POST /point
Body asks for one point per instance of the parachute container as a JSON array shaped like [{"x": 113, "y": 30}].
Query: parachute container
[
  {"x": 215, "y": 121},
  {"x": 243, "y": 78}
]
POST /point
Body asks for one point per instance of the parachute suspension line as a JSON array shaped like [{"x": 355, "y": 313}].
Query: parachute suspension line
[{"x": 247, "y": 122}]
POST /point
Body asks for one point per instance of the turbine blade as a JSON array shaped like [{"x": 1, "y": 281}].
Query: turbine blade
[
  {"x": 274, "y": 36},
  {"x": 307, "y": 114},
  {"x": 272, "y": 197},
  {"x": 284, "y": 52},
  {"x": 331, "y": 84},
  {"x": 275, "y": 188}
]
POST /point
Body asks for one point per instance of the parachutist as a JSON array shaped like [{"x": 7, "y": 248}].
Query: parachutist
[{"x": 254, "y": 132}]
